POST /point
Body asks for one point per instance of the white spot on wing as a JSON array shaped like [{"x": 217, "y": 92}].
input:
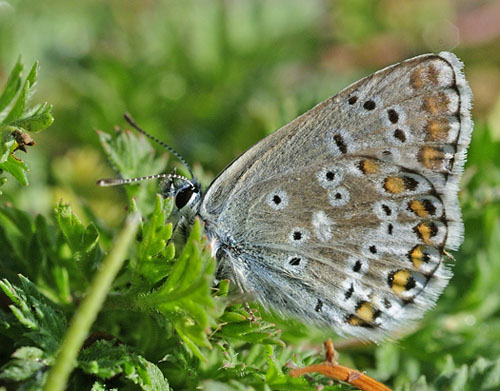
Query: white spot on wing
[
  {"x": 322, "y": 226},
  {"x": 298, "y": 236},
  {"x": 338, "y": 197},
  {"x": 330, "y": 177},
  {"x": 277, "y": 199}
]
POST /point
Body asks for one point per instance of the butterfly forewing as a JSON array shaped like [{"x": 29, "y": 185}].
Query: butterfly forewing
[{"x": 342, "y": 216}]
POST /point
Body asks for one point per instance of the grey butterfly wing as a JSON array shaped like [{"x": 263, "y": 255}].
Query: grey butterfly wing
[
  {"x": 342, "y": 216},
  {"x": 360, "y": 261}
]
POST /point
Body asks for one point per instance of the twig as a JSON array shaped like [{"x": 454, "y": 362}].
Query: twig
[{"x": 339, "y": 372}]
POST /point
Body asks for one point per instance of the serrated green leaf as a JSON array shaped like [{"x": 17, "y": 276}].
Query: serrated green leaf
[
  {"x": 19, "y": 106},
  {"x": 185, "y": 298},
  {"x": 233, "y": 317},
  {"x": 106, "y": 359},
  {"x": 35, "y": 123},
  {"x": 191, "y": 344},
  {"x": 12, "y": 86},
  {"x": 132, "y": 156},
  {"x": 254, "y": 332},
  {"x": 83, "y": 241},
  {"x": 17, "y": 168},
  {"x": 70, "y": 225},
  {"x": 19, "y": 118},
  {"x": 32, "y": 75},
  {"x": 21, "y": 220},
  {"x": 223, "y": 288},
  {"x": 156, "y": 233},
  {"x": 25, "y": 363},
  {"x": 8, "y": 144},
  {"x": 186, "y": 267},
  {"x": 44, "y": 322},
  {"x": 169, "y": 252},
  {"x": 98, "y": 386}
]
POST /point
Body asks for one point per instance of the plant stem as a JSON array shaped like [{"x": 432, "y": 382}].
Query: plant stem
[{"x": 89, "y": 308}]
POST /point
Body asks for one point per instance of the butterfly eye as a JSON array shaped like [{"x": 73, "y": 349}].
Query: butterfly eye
[{"x": 183, "y": 196}]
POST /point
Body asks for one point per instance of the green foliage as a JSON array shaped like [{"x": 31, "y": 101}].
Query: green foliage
[
  {"x": 106, "y": 359},
  {"x": 43, "y": 322},
  {"x": 132, "y": 157},
  {"x": 16, "y": 118},
  {"x": 169, "y": 290},
  {"x": 82, "y": 241}
]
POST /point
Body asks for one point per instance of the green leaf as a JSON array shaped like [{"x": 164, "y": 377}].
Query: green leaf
[
  {"x": 19, "y": 106},
  {"x": 185, "y": 297},
  {"x": 12, "y": 86},
  {"x": 42, "y": 319},
  {"x": 255, "y": 332},
  {"x": 21, "y": 220},
  {"x": 98, "y": 386},
  {"x": 17, "y": 168},
  {"x": 106, "y": 359},
  {"x": 132, "y": 156},
  {"x": 156, "y": 232},
  {"x": 7, "y": 146},
  {"x": 36, "y": 122},
  {"x": 16, "y": 117},
  {"x": 82, "y": 241},
  {"x": 26, "y": 363}
]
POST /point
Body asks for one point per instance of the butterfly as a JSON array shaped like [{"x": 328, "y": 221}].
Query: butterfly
[{"x": 342, "y": 217}]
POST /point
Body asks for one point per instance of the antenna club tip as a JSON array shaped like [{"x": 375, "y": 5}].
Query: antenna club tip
[{"x": 104, "y": 182}]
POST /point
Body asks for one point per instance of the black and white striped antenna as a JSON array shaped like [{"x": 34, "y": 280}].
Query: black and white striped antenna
[
  {"x": 132, "y": 122},
  {"x": 107, "y": 182}
]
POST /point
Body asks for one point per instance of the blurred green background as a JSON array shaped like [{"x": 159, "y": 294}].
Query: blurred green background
[{"x": 211, "y": 78}]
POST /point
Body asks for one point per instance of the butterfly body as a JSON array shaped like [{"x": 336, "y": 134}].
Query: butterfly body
[{"x": 342, "y": 217}]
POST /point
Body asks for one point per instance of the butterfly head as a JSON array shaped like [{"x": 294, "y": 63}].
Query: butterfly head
[{"x": 186, "y": 193}]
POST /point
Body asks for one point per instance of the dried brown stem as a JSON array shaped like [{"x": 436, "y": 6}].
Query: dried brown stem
[{"x": 339, "y": 372}]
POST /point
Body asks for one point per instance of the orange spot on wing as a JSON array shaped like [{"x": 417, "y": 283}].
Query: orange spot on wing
[
  {"x": 416, "y": 79},
  {"x": 418, "y": 208},
  {"x": 435, "y": 104},
  {"x": 369, "y": 166},
  {"x": 432, "y": 158},
  {"x": 438, "y": 129},
  {"x": 394, "y": 184}
]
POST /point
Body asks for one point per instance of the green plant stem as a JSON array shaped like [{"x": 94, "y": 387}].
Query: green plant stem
[{"x": 88, "y": 310}]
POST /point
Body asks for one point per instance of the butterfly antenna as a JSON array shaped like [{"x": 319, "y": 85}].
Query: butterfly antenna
[
  {"x": 132, "y": 122},
  {"x": 106, "y": 182}
]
